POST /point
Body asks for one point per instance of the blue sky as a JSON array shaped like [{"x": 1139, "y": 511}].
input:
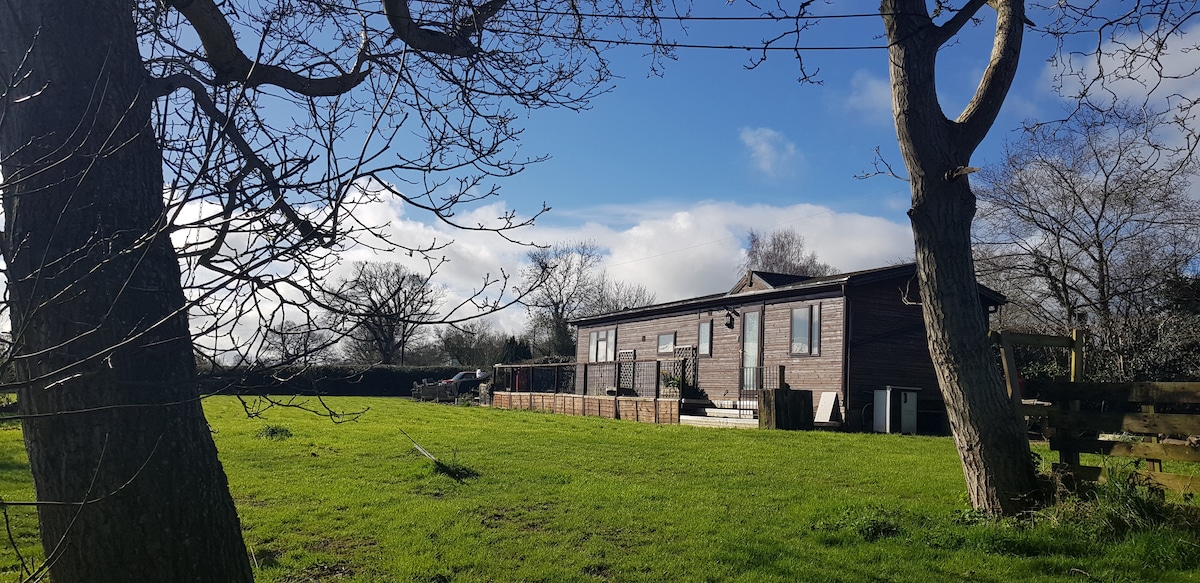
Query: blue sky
[{"x": 668, "y": 173}]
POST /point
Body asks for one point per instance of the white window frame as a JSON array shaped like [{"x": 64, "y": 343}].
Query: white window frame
[
  {"x": 671, "y": 346},
  {"x": 602, "y": 345},
  {"x": 811, "y": 333}
]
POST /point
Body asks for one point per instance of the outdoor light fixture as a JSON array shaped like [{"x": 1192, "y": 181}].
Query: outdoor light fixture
[{"x": 729, "y": 315}]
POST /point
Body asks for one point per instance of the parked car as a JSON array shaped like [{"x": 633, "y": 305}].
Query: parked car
[{"x": 466, "y": 381}]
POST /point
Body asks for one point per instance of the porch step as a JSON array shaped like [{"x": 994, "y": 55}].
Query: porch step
[
  {"x": 704, "y": 421},
  {"x": 718, "y": 412}
]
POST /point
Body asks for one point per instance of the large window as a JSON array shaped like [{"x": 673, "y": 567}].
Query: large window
[
  {"x": 806, "y": 330},
  {"x": 704, "y": 339},
  {"x": 602, "y": 345},
  {"x": 666, "y": 343}
]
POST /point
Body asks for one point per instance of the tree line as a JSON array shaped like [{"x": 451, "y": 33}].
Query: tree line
[{"x": 386, "y": 313}]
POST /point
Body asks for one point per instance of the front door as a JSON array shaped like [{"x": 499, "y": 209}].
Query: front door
[{"x": 751, "y": 349}]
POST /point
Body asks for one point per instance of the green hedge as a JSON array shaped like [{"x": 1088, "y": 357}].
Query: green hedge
[{"x": 334, "y": 380}]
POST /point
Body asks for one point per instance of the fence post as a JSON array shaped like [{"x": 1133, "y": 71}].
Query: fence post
[
  {"x": 1008, "y": 360},
  {"x": 782, "y": 383},
  {"x": 1077, "y": 364},
  {"x": 1152, "y": 465},
  {"x": 657, "y": 378},
  {"x": 1076, "y": 356}
]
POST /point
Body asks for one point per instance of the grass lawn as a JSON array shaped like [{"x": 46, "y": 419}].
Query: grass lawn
[{"x": 560, "y": 498}]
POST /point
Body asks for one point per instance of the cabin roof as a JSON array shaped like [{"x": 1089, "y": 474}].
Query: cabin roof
[{"x": 767, "y": 286}]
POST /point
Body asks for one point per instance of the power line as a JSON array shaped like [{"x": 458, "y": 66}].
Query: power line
[
  {"x": 675, "y": 45},
  {"x": 766, "y": 17},
  {"x": 679, "y": 18}
]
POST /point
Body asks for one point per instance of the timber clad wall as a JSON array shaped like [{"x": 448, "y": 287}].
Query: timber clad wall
[
  {"x": 817, "y": 373},
  {"x": 872, "y": 336},
  {"x": 888, "y": 347},
  {"x": 717, "y": 375}
]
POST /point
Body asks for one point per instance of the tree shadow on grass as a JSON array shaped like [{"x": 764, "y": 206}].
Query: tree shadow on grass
[{"x": 454, "y": 470}]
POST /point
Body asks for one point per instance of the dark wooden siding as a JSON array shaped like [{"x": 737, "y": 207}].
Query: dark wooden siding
[
  {"x": 717, "y": 375},
  {"x": 817, "y": 373},
  {"x": 887, "y": 346}
]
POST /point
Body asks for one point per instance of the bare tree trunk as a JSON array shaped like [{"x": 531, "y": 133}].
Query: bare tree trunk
[
  {"x": 987, "y": 429},
  {"x": 115, "y": 433}
]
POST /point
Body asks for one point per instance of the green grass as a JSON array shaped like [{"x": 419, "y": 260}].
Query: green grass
[{"x": 537, "y": 497}]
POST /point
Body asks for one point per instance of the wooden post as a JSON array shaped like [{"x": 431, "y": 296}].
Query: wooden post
[
  {"x": 1076, "y": 356},
  {"x": 1008, "y": 360},
  {"x": 1077, "y": 364},
  {"x": 785, "y": 409},
  {"x": 782, "y": 383},
  {"x": 767, "y": 415},
  {"x": 1152, "y": 465},
  {"x": 657, "y": 377}
]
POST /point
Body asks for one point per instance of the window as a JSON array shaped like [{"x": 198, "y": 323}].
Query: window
[
  {"x": 666, "y": 343},
  {"x": 602, "y": 345},
  {"x": 806, "y": 330},
  {"x": 704, "y": 339}
]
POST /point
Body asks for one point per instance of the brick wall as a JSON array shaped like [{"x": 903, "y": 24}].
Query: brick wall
[{"x": 645, "y": 410}]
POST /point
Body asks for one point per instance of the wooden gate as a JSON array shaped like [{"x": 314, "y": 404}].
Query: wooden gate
[{"x": 1154, "y": 422}]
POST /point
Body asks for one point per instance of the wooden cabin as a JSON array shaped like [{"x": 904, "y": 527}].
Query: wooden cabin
[{"x": 848, "y": 334}]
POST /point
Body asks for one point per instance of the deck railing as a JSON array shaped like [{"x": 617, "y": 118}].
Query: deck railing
[
  {"x": 752, "y": 381},
  {"x": 660, "y": 379}
]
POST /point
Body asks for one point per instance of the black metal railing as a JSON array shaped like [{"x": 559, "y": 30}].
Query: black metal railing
[
  {"x": 752, "y": 381},
  {"x": 535, "y": 378}
]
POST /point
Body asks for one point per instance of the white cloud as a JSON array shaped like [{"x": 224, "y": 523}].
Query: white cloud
[
  {"x": 676, "y": 251},
  {"x": 870, "y": 98},
  {"x": 1169, "y": 80},
  {"x": 772, "y": 153}
]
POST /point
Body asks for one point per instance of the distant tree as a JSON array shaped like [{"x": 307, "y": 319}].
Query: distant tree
[
  {"x": 783, "y": 251},
  {"x": 567, "y": 282},
  {"x": 615, "y": 295},
  {"x": 296, "y": 343},
  {"x": 472, "y": 343},
  {"x": 514, "y": 350},
  {"x": 1086, "y": 223},
  {"x": 564, "y": 279},
  {"x": 385, "y": 309},
  {"x": 426, "y": 350}
]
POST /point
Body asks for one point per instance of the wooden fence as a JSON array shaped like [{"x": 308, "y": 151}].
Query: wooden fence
[
  {"x": 1126, "y": 420},
  {"x": 1123, "y": 420}
]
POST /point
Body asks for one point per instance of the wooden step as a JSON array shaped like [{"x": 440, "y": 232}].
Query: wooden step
[
  {"x": 704, "y": 421},
  {"x": 719, "y": 412}
]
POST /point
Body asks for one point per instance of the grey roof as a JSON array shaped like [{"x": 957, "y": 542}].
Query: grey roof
[
  {"x": 780, "y": 279},
  {"x": 798, "y": 286}
]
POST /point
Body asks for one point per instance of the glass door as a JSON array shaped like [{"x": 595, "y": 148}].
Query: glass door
[{"x": 751, "y": 349}]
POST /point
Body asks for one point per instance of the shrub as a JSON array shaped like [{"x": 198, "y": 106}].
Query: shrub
[
  {"x": 274, "y": 432},
  {"x": 325, "y": 380},
  {"x": 1125, "y": 503}
]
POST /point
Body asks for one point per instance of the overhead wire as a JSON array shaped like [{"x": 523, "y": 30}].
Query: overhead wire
[
  {"x": 675, "y": 45},
  {"x": 682, "y": 18}
]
